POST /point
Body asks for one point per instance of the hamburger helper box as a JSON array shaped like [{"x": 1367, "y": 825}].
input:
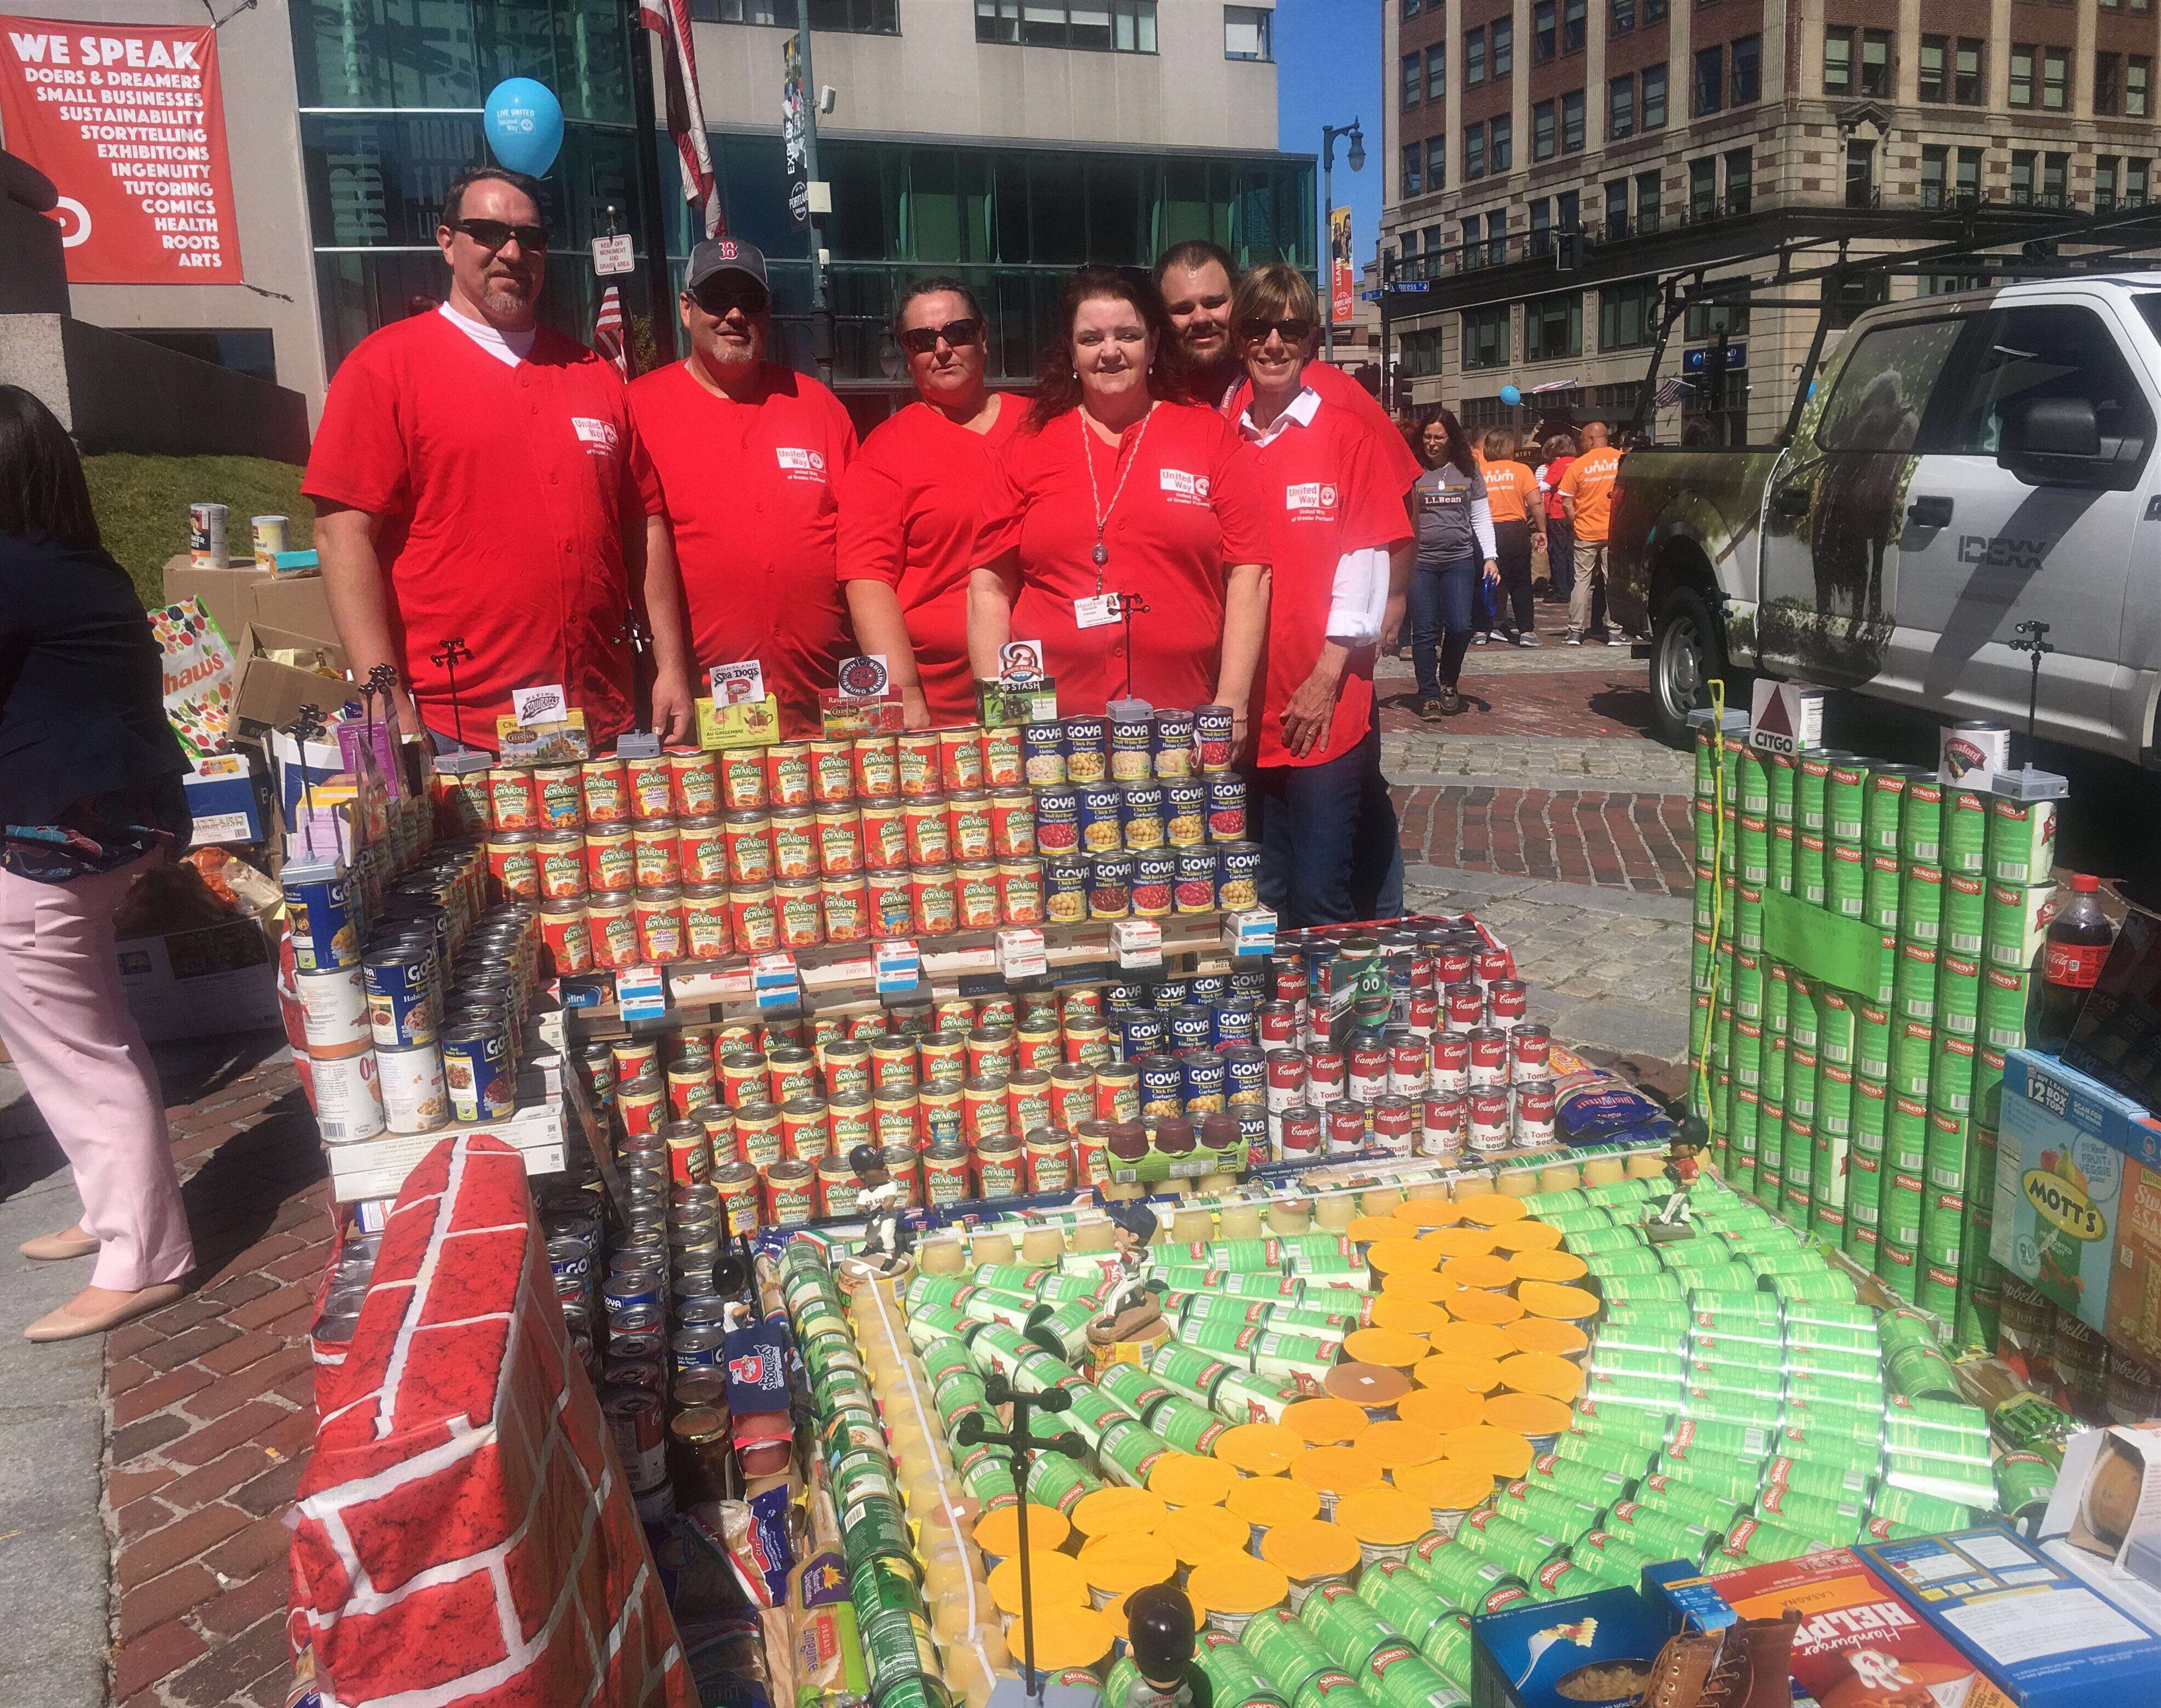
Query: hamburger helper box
[
  {"x": 2038, "y": 1630},
  {"x": 1858, "y": 1644}
]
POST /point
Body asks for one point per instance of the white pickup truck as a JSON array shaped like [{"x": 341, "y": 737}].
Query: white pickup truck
[{"x": 1966, "y": 463}]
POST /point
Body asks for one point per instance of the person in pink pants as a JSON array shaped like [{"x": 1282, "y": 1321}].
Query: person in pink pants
[{"x": 89, "y": 796}]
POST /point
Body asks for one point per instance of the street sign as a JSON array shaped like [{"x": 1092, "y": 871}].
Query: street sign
[
  {"x": 613, "y": 256},
  {"x": 1693, "y": 362}
]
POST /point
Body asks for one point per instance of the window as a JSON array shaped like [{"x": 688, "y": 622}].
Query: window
[
  {"x": 1647, "y": 202},
  {"x": 1553, "y": 327},
  {"x": 1620, "y": 109},
  {"x": 2108, "y": 84},
  {"x": 1503, "y": 32},
  {"x": 1540, "y": 244},
  {"x": 1410, "y": 9},
  {"x": 1543, "y": 135},
  {"x": 2055, "y": 181},
  {"x": 1546, "y": 30},
  {"x": 1703, "y": 189},
  {"x": 1654, "y": 97},
  {"x": 2022, "y": 74},
  {"x": 1623, "y": 19},
  {"x": 1653, "y": 11},
  {"x": 1860, "y": 173},
  {"x": 1474, "y": 152},
  {"x": 1414, "y": 156},
  {"x": 1474, "y": 58},
  {"x": 1436, "y": 165},
  {"x": 2137, "y": 81},
  {"x": 1486, "y": 337},
  {"x": 1246, "y": 33},
  {"x": 2105, "y": 173},
  {"x": 1966, "y": 87},
  {"x": 1709, "y": 80},
  {"x": 1496, "y": 236},
  {"x": 2056, "y": 79},
  {"x": 2043, "y": 351},
  {"x": 1935, "y": 67},
  {"x": 1617, "y": 208},
  {"x": 1935, "y": 174},
  {"x": 1876, "y": 64},
  {"x": 1883, "y": 387},
  {"x": 1573, "y": 25},
  {"x": 1414, "y": 84},
  {"x": 737, "y": 11},
  {"x": 2134, "y": 182},
  {"x": 1748, "y": 70},
  {"x": 1969, "y": 176},
  {"x": 1504, "y": 150},
  {"x": 1568, "y": 210},
  {"x": 2022, "y": 175},
  {"x": 1571, "y": 123},
  {"x": 1838, "y": 62},
  {"x": 1628, "y": 316},
  {"x": 1706, "y": 320},
  {"x": 1107, "y": 26},
  {"x": 1436, "y": 71},
  {"x": 1740, "y": 180},
  {"x": 847, "y": 16}
]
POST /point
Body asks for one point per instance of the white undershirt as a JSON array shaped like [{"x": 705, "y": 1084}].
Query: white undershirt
[
  {"x": 1359, "y": 596},
  {"x": 509, "y": 348}
]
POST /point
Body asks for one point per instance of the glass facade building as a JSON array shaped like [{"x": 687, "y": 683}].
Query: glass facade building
[{"x": 390, "y": 99}]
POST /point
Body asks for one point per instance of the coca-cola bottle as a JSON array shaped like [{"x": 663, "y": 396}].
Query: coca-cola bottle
[{"x": 2071, "y": 960}]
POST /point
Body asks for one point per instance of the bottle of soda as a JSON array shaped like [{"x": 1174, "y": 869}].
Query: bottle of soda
[{"x": 2071, "y": 960}]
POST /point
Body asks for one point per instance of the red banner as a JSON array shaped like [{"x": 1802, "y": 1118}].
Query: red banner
[{"x": 127, "y": 121}]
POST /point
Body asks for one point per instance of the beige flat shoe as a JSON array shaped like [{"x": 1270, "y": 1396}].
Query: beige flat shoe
[
  {"x": 62, "y": 1325},
  {"x": 57, "y": 1247}
]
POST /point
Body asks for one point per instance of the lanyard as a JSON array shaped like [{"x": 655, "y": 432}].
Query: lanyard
[{"x": 1101, "y": 553}]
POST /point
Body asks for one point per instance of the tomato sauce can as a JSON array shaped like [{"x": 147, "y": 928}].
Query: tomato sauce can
[
  {"x": 693, "y": 783},
  {"x": 800, "y": 919},
  {"x": 743, "y": 780},
  {"x": 702, "y": 849},
  {"x": 833, "y": 771},
  {"x": 1345, "y": 1126},
  {"x": 840, "y": 841},
  {"x": 651, "y": 790},
  {"x": 788, "y": 775},
  {"x": 1396, "y": 1124},
  {"x": 753, "y": 918},
  {"x": 1440, "y": 1131},
  {"x": 795, "y": 844},
  {"x": 560, "y": 861},
  {"x": 605, "y": 786},
  {"x": 513, "y": 799},
  {"x": 1534, "y": 1112},
  {"x": 934, "y": 901},
  {"x": 846, "y": 905},
  {"x": 1487, "y": 1111},
  {"x": 1407, "y": 1064}
]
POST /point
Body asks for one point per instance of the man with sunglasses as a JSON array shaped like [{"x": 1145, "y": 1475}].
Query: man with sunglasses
[
  {"x": 1327, "y": 828},
  {"x": 740, "y": 459},
  {"x": 472, "y": 482}
]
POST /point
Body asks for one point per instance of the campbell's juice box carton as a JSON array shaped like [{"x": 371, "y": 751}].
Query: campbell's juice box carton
[{"x": 1857, "y": 1644}]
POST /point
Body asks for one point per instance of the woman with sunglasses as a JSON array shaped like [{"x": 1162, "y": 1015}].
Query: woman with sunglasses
[
  {"x": 912, "y": 501},
  {"x": 1454, "y": 539},
  {"x": 1335, "y": 514},
  {"x": 1125, "y": 532}
]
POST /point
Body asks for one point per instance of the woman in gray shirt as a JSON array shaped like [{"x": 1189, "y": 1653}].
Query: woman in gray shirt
[{"x": 1455, "y": 538}]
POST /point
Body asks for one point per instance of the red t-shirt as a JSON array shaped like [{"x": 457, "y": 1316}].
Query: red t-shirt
[
  {"x": 1188, "y": 508},
  {"x": 749, "y": 492},
  {"x": 1326, "y": 490},
  {"x": 503, "y": 493},
  {"x": 1399, "y": 463},
  {"x": 911, "y": 508}
]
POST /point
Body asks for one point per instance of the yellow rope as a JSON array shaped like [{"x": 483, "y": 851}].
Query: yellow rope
[{"x": 1717, "y": 898}]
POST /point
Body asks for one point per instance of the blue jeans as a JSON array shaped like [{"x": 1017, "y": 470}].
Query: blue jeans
[
  {"x": 1330, "y": 852},
  {"x": 1444, "y": 601}
]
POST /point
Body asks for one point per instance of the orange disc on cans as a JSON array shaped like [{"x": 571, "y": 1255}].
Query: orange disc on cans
[
  {"x": 1458, "y": 1370},
  {"x": 1445, "y": 1485},
  {"x": 1539, "y": 1334},
  {"x": 1569, "y": 1303},
  {"x": 1472, "y": 1340},
  {"x": 1386, "y": 1518},
  {"x": 1396, "y": 1443},
  {"x": 1325, "y": 1422},
  {"x": 1188, "y": 1480},
  {"x": 1266, "y": 1501},
  {"x": 1336, "y": 1470},
  {"x": 1478, "y": 1271},
  {"x": 1446, "y": 1243},
  {"x": 1430, "y": 1212},
  {"x": 1306, "y": 1548},
  {"x": 1442, "y": 1409},
  {"x": 1366, "y": 1229},
  {"x": 1373, "y": 1388},
  {"x": 1417, "y": 1283},
  {"x": 1054, "y": 1581},
  {"x": 1259, "y": 1449},
  {"x": 1237, "y": 1584},
  {"x": 998, "y": 1532},
  {"x": 1411, "y": 1316},
  {"x": 1196, "y": 1533},
  {"x": 1541, "y": 1372},
  {"x": 1392, "y": 1348},
  {"x": 1529, "y": 1413},
  {"x": 1114, "y": 1511},
  {"x": 1473, "y": 1306},
  {"x": 1548, "y": 1266},
  {"x": 1526, "y": 1236},
  {"x": 1386, "y": 1255},
  {"x": 1500, "y": 1452},
  {"x": 1492, "y": 1209}
]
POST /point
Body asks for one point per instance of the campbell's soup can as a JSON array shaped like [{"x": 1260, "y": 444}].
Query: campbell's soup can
[
  {"x": 1407, "y": 1064},
  {"x": 1347, "y": 1127},
  {"x": 1440, "y": 1131},
  {"x": 1395, "y": 1125},
  {"x": 1534, "y": 1112},
  {"x": 651, "y": 790},
  {"x": 1298, "y": 1134},
  {"x": 1424, "y": 1012},
  {"x": 1327, "y": 1073},
  {"x": 1368, "y": 1068},
  {"x": 1487, "y": 1119},
  {"x": 1286, "y": 1080},
  {"x": 1489, "y": 1057},
  {"x": 882, "y": 826},
  {"x": 1492, "y": 963},
  {"x": 1463, "y": 1007},
  {"x": 1452, "y": 965},
  {"x": 1530, "y": 1052},
  {"x": 1450, "y": 1069},
  {"x": 1275, "y": 1024},
  {"x": 1507, "y": 1000}
]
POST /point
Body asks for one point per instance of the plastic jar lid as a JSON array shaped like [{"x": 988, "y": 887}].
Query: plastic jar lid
[
  {"x": 1401, "y": 1251},
  {"x": 1371, "y": 1387},
  {"x": 1412, "y": 1316},
  {"x": 1445, "y": 1242},
  {"x": 1430, "y": 1212},
  {"x": 1527, "y": 1235},
  {"x": 1473, "y": 1306},
  {"x": 1421, "y": 1284},
  {"x": 1472, "y": 1340},
  {"x": 1492, "y": 1209},
  {"x": 1487, "y": 1271},
  {"x": 1237, "y": 1583},
  {"x": 1498, "y": 1452},
  {"x": 1118, "y": 1564},
  {"x": 1259, "y": 1449},
  {"x": 1305, "y": 1548},
  {"x": 1188, "y": 1480}
]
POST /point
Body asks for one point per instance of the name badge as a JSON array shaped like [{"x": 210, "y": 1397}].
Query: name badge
[{"x": 1099, "y": 611}]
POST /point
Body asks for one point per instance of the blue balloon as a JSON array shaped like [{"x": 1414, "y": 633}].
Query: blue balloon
[
  {"x": 1511, "y": 396},
  {"x": 523, "y": 122}
]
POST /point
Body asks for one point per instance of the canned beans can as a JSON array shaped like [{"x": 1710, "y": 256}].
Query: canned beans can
[
  {"x": 1197, "y": 869},
  {"x": 1213, "y": 726},
  {"x": 1058, "y": 820},
  {"x": 1110, "y": 886},
  {"x": 1043, "y": 754},
  {"x": 1227, "y": 807}
]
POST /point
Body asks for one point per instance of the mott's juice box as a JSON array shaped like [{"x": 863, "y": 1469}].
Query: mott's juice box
[{"x": 1858, "y": 1645}]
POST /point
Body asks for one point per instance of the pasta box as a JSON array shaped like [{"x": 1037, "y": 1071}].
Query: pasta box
[{"x": 1591, "y": 1651}]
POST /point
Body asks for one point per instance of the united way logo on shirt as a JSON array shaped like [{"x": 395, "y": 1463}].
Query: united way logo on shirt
[
  {"x": 597, "y": 436},
  {"x": 800, "y": 465},
  {"x": 1310, "y": 501},
  {"x": 1183, "y": 488}
]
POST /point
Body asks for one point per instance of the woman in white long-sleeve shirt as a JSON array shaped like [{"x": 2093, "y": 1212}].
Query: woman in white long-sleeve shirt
[{"x": 1454, "y": 526}]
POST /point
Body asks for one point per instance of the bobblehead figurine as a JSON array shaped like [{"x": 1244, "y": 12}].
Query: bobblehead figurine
[
  {"x": 1132, "y": 1306},
  {"x": 1160, "y": 1636},
  {"x": 1674, "y": 1221},
  {"x": 883, "y": 1201}
]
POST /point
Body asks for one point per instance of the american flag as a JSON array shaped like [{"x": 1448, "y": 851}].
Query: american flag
[
  {"x": 670, "y": 20},
  {"x": 1556, "y": 385},
  {"x": 608, "y": 330},
  {"x": 1673, "y": 392}
]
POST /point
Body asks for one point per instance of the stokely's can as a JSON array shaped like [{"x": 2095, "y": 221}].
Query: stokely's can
[
  {"x": 2022, "y": 835},
  {"x": 1227, "y": 807},
  {"x": 1487, "y": 1124},
  {"x": 1534, "y": 1113}
]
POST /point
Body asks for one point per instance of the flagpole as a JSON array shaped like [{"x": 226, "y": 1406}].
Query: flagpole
[{"x": 652, "y": 209}]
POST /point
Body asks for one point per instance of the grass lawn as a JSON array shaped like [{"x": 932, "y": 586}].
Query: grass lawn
[{"x": 142, "y": 504}]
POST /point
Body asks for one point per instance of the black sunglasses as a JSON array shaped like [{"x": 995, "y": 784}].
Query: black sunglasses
[
  {"x": 921, "y": 340},
  {"x": 752, "y": 299},
  {"x": 493, "y": 234},
  {"x": 1255, "y": 329}
]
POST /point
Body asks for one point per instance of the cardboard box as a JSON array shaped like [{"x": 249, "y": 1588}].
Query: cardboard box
[
  {"x": 2034, "y": 1627},
  {"x": 229, "y": 801},
  {"x": 2059, "y": 1168},
  {"x": 1591, "y": 1651},
  {"x": 229, "y": 593},
  {"x": 298, "y": 604},
  {"x": 270, "y": 693},
  {"x": 377, "y": 1167},
  {"x": 2134, "y": 1284},
  {"x": 202, "y": 983},
  {"x": 2104, "y": 1520}
]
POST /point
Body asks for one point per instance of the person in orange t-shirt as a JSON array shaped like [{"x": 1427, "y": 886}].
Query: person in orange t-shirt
[
  {"x": 1586, "y": 495},
  {"x": 1512, "y": 493}
]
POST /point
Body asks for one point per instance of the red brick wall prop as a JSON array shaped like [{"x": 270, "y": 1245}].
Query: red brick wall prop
[{"x": 463, "y": 1534}]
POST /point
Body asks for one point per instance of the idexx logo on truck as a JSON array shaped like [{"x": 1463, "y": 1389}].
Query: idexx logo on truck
[{"x": 2001, "y": 551}]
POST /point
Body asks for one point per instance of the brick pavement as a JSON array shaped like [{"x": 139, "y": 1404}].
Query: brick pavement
[
  {"x": 1617, "y": 841},
  {"x": 212, "y": 1411}
]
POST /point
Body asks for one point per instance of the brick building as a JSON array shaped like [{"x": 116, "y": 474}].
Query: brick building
[{"x": 1682, "y": 134}]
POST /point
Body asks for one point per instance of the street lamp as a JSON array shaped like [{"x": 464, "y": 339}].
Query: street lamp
[{"x": 1355, "y": 157}]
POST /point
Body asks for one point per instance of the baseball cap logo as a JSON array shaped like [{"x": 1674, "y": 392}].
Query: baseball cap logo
[{"x": 727, "y": 248}]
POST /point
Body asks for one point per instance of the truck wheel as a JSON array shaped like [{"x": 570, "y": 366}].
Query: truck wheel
[{"x": 1688, "y": 649}]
